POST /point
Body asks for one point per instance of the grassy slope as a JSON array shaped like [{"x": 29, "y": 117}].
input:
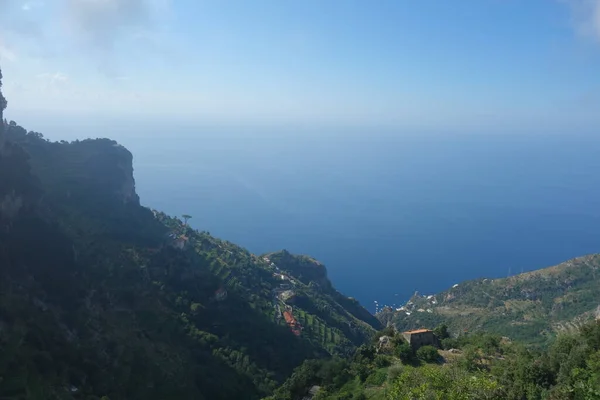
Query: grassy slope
[{"x": 528, "y": 307}]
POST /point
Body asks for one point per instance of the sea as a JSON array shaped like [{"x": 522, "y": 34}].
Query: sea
[{"x": 388, "y": 213}]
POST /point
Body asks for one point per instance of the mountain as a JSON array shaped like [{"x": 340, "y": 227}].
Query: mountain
[
  {"x": 529, "y": 307},
  {"x": 101, "y": 298}
]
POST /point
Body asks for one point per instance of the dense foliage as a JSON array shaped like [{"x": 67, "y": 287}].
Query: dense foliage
[
  {"x": 531, "y": 307},
  {"x": 480, "y": 366},
  {"x": 103, "y": 298}
]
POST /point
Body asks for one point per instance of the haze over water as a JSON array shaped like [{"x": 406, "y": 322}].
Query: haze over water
[
  {"x": 387, "y": 214},
  {"x": 390, "y": 211}
]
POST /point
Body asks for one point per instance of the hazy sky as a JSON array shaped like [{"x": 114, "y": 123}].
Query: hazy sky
[{"x": 434, "y": 63}]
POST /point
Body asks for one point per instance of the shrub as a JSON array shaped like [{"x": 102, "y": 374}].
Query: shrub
[
  {"x": 394, "y": 372},
  {"x": 441, "y": 331},
  {"x": 377, "y": 378},
  {"x": 382, "y": 361},
  {"x": 405, "y": 353},
  {"x": 450, "y": 343},
  {"x": 470, "y": 359},
  {"x": 428, "y": 354},
  {"x": 435, "y": 382}
]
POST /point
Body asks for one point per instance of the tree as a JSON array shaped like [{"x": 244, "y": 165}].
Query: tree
[
  {"x": 36, "y": 135},
  {"x": 429, "y": 354},
  {"x": 186, "y": 217},
  {"x": 441, "y": 331},
  {"x": 404, "y": 352}
]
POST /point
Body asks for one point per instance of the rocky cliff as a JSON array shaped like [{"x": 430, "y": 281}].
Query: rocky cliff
[
  {"x": 100, "y": 296},
  {"x": 73, "y": 171},
  {"x": 2, "y": 108}
]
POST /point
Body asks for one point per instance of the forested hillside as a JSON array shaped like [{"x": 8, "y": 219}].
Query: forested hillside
[
  {"x": 479, "y": 366},
  {"x": 103, "y": 298},
  {"x": 531, "y": 307}
]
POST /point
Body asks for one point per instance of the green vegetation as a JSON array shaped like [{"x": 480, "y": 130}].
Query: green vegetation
[
  {"x": 532, "y": 307},
  {"x": 428, "y": 354},
  {"x": 429, "y": 382},
  {"x": 482, "y": 366},
  {"x": 103, "y": 298}
]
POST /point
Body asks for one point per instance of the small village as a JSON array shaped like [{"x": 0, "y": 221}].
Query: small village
[
  {"x": 284, "y": 292},
  {"x": 281, "y": 295},
  {"x": 426, "y": 303}
]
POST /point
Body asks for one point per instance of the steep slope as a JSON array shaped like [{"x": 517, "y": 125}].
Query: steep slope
[
  {"x": 102, "y": 297},
  {"x": 528, "y": 307},
  {"x": 314, "y": 274},
  {"x": 322, "y": 311}
]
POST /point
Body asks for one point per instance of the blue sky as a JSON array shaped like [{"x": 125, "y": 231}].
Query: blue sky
[{"x": 469, "y": 64}]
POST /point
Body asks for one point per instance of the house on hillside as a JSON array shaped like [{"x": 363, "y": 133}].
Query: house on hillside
[
  {"x": 421, "y": 337},
  {"x": 292, "y": 322}
]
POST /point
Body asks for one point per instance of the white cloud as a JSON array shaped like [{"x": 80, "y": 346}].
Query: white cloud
[
  {"x": 102, "y": 22},
  {"x": 586, "y": 17},
  {"x": 109, "y": 32},
  {"x": 106, "y": 36}
]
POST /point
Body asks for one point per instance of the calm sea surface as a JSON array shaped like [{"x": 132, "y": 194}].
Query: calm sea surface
[{"x": 387, "y": 214}]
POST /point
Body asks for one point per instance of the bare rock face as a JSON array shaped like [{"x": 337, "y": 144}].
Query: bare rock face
[
  {"x": 10, "y": 205},
  {"x": 385, "y": 345},
  {"x": 2, "y": 121},
  {"x": 2, "y": 136},
  {"x": 126, "y": 190}
]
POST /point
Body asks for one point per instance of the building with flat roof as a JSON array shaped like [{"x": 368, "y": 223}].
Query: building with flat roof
[{"x": 421, "y": 337}]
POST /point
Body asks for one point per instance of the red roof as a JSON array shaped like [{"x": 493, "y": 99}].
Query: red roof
[
  {"x": 289, "y": 318},
  {"x": 418, "y": 331}
]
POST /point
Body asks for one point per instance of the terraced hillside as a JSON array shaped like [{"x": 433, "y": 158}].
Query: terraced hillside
[
  {"x": 103, "y": 298},
  {"x": 530, "y": 307}
]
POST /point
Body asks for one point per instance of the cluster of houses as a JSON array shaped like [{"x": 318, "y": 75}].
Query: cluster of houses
[
  {"x": 429, "y": 303},
  {"x": 284, "y": 292}
]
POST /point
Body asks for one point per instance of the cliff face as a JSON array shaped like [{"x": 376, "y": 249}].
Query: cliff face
[
  {"x": 111, "y": 308},
  {"x": 18, "y": 188},
  {"x": 313, "y": 274},
  {"x": 306, "y": 268},
  {"x": 2, "y": 135},
  {"x": 2, "y": 107},
  {"x": 126, "y": 191},
  {"x": 93, "y": 169},
  {"x": 95, "y": 300}
]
